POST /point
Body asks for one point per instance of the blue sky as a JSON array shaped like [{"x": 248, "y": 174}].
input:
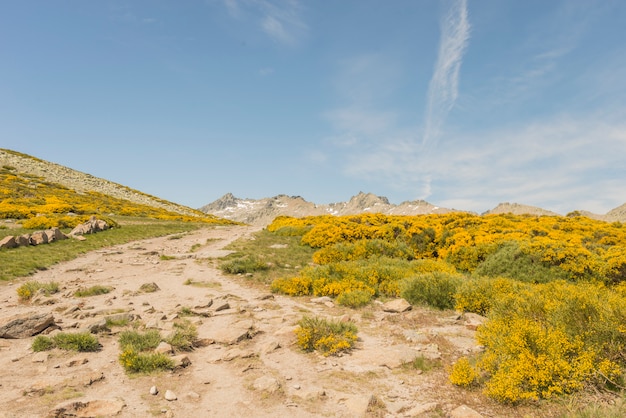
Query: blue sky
[{"x": 465, "y": 104}]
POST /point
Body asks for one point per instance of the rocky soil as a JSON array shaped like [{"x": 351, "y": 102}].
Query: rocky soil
[{"x": 247, "y": 363}]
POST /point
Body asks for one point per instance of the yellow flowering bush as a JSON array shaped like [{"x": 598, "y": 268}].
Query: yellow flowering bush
[
  {"x": 294, "y": 286},
  {"x": 463, "y": 373},
  {"x": 326, "y": 336}
]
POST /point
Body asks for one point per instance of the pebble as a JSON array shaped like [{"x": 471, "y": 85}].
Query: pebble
[
  {"x": 170, "y": 396},
  {"x": 154, "y": 390}
]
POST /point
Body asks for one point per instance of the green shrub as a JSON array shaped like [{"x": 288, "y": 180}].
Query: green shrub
[
  {"x": 27, "y": 290},
  {"x": 327, "y": 337},
  {"x": 184, "y": 335},
  {"x": 435, "y": 289},
  {"x": 82, "y": 341},
  {"x": 511, "y": 261},
  {"x": 93, "y": 291},
  {"x": 242, "y": 265},
  {"x": 139, "y": 342},
  {"x": 42, "y": 343},
  {"x": 137, "y": 362},
  {"x": 354, "y": 298}
]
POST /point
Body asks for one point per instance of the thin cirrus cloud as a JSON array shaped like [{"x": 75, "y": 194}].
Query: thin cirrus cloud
[
  {"x": 444, "y": 84},
  {"x": 279, "y": 19},
  {"x": 393, "y": 154}
]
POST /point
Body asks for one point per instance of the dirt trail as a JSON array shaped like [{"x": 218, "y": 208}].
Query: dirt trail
[{"x": 249, "y": 365}]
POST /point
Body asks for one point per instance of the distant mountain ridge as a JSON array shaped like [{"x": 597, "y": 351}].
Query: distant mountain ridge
[{"x": 263, "y": 211}]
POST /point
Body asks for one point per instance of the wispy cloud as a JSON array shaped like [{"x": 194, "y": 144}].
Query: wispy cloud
[
  {"x": 279, "y": 19},
  {"x": 266, "y": 71},
  {"x": 444, "y": 84}
]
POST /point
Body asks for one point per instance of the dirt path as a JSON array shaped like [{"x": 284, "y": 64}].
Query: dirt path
[{"x": 249, "y": 365}]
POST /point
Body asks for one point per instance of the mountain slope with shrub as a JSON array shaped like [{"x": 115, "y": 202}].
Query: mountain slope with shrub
[
  {"x": 42, "y": 195},
  {"x": 22, "y": 164}
]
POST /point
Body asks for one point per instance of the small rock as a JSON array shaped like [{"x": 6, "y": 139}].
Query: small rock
[
  {"x": 222, "y": 307},
  {"x": 271, "y": 346},
  {"x": 163, "y": 348},
  {"x": 181, "y": 361},
  {"x": 464, "y": 411},
  {"x": 266, "y": 384},
  {"x": 149, "y": 287},
  {"x": 154, "y": 390},
  {"x": 170, "y": 396},
  {"x": 397, "y": 306}
]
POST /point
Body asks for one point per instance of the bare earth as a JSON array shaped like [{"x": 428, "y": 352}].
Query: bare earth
[{"x": 249, "y": 365}]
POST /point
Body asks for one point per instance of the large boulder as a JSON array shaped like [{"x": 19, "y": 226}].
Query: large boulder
[
  {"x": 38, "y": 237},
  {"x": 54, "y": 234},
  {"x": 25, "y": 325},
  {"x": 23, "y": 240},
  {"x": 92, "y": 226},
  {"x": 8, "y": 242}
]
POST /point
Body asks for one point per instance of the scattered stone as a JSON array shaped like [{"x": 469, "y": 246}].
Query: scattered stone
[
  {"x": 23, "y": 240},
  {"x": 149, "y": 287},
  {"x": 54, "y": 234},
  {"x": 154, "y": 390},
  {"x": 236, "y": 352},
  {"x": 71, "y": 310},
  {"x": 232, "y": 333},
  {"x": 163, "y": 348},
  {"x": 397, "y": 306},
  {"x": 207, "y": 305},
  {"x": 98, "y": 327},
  {"x": 90, "y": 377},
  {"x": 415, "y": 336},
  {"x": 203, "y": 342},
  {"x": 8, "y": 242},
  {"x": 358, "y": 405},
  {"x": 473, "y": 321},
  {"x": 38, "y": 238},
  {"x": 92, "y": 226},
  {"x": 271, "y": 346},
  {"x": 464, "y": 411},
  {"x": 266, "y": 297},
  {"x": 25, "y": 325},
  {"x": 77, "y": 362},
  {"x": 94, "y": 408},
  {"x": 266, "y": 384},
  {"x": 170, "y": 396},
  {"x": 181, "y": 361},
  {"x": 223, "y": 307}
]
